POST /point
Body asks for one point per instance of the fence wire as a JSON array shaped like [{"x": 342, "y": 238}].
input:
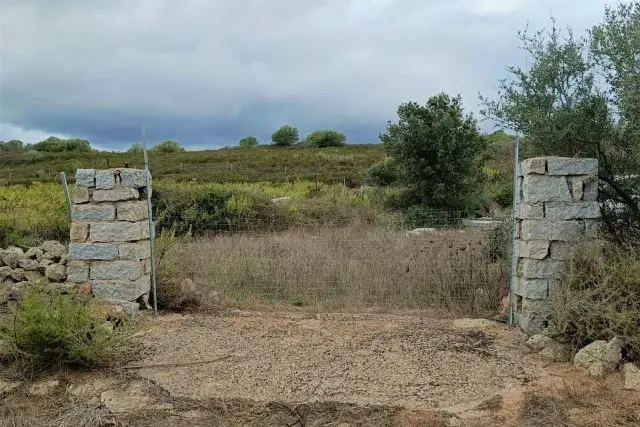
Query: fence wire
[{"x": 379, "y": 263}]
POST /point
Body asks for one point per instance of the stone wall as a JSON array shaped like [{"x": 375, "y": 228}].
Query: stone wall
[
  {"x": 109, "y": 249},
  {"x": 558, "y": 205},
  {"x": 21, "y": 268}
]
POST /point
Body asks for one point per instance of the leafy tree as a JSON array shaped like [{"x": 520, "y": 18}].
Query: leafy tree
[
  {"x": 135, "y": 148},
  {"x": 57, "y": 145},
  {"x": 13, "y": 145},
  {"x": 168, "y": 146},
  {"x": 286, "y": 136},
  {"x": 249, "y": 142},
  {"x": 437, "y": 147},
  {"x": 581, "y": 97},
  {"x": 325, "y": 138}
]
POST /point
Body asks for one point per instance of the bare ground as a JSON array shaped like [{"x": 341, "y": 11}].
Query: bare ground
[{"x": 276, "y": 369}]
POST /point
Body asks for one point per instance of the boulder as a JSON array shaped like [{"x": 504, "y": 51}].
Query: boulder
[
  {"x": 28, "y": 264},
  {"x": 631, "y": 377},
  {"x": 34, "y": 253},
  {"x": 17, "y": 274},
  {"x": 56, "y": 272},
  {"x": 11, "y": 258},
  {"x": 600, "y": 357},
  {"x": 53, "y": 249}
]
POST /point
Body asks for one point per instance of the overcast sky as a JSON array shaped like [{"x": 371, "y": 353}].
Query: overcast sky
[{"x": 209, "y": 72}]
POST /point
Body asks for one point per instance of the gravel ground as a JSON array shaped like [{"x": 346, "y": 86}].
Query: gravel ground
[{"x": 364, "y": 359}]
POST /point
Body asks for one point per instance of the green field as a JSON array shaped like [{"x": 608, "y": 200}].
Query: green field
[{"x": 331, "y": 165}]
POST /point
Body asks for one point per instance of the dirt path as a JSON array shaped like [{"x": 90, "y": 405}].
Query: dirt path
[
  {"x": 415, "y": 363},
  {"x": 275, "y": 369}
]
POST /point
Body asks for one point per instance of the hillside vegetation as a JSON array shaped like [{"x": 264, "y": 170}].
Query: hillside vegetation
[{"x": 262, "y": 163}]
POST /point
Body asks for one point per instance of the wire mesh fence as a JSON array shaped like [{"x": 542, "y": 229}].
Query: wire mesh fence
[{"x": 378, "y": 262}]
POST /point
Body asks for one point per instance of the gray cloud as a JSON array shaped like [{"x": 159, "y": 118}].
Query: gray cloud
[{"x": 207, "y": 72}]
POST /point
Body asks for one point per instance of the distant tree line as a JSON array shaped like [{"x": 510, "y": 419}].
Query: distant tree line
[
  {"x": 50, "y": 145},
  {"x": 289, "y": 136}
]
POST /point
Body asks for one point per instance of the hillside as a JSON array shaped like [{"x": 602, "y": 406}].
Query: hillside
[{"x": 225, "y": 165}]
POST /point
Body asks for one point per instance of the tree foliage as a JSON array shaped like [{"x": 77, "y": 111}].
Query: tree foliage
[
  {"x": 13, "y": 145},
  {"x": 437, "y": 148},
  {"x": 286, "y": 136},
  {"x": 581, "y": 98},
  {"x": 168, "y": 146},
  {"x": 325, "y": 138},
  {"x": 249, "y": 142},
  {"x": 135, "y": 148},
  {"x": 57, "y": 145}
]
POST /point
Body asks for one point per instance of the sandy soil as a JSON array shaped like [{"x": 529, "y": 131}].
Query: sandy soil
[{"x": 412, "y": 362}]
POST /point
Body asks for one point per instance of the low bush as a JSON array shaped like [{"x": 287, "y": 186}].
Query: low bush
[
  {"x": 57, "y": 329},
  {"x": 383, "y": 173},
  {"x": 598, "y": 297}
]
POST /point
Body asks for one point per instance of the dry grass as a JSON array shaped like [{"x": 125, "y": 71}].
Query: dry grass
[
  {"x": 586, "y": 403},
  {"x": 356, "y": 268}
]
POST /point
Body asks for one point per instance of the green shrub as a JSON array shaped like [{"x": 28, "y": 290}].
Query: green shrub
[
  {"x": 324, "y": 138},
  {"x": 56, "y": 329},
  {"x": 136, "y": 148},
  {"x": 383, "y": 173},
  {"x": 598, "y": 297}
]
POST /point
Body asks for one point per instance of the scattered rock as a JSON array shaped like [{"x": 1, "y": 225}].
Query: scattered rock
[
  {"x": 421, "y": 231},
  {"x": 556, "y": 353},
  {"x": 11, "y": 258},
  {"x": 33, "y": 276},
  {"x": 539, "y": 342},
  {"x": 34, "y": 253},
  {"x": 17, "y": 274},
  {"x": 600, "y": 357},
  {"x": 631, "y": 377},
  {"x": 43, "y": 388},
  {"x": 56, "y": 272},
  {"x": 28, "y": 264},
  {"x": 53, "y": 249}
]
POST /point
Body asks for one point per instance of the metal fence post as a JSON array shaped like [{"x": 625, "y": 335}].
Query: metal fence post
[
  {"x": 65, "y": 188},
  {"x": 514, "y": 224}
]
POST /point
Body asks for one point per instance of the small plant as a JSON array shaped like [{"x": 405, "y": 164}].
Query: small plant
[{"x": 57, "y": 329}]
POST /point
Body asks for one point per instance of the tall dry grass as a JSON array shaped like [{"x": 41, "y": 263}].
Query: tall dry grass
[{"x": 354, "y": 268}]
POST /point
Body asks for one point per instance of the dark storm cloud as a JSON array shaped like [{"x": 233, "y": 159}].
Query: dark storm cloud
[{"x": 208, "y": 72}]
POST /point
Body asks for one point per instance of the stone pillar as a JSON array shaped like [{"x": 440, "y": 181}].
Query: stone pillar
[
  {"x": 558, "y": 205},
  {"x": 109, "y": 250}
]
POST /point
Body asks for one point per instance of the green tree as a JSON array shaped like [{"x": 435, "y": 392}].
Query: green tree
[
  {"x": 325, "y": 138},
  {"x": 437, "y": 148},
  {"x": 286, "y": 136},
  {"x": 168, "y": 146},
  {"x": 135, "y": 148},
  {"x": 13, "y": 145},
  {"x": 249, "y": 142},
  {"x": 581, "y": 97}
]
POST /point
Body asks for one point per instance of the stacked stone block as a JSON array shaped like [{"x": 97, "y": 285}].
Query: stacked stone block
[
  {"x": 109, "y": 250},
  {"x": 558, "y": 205}
]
